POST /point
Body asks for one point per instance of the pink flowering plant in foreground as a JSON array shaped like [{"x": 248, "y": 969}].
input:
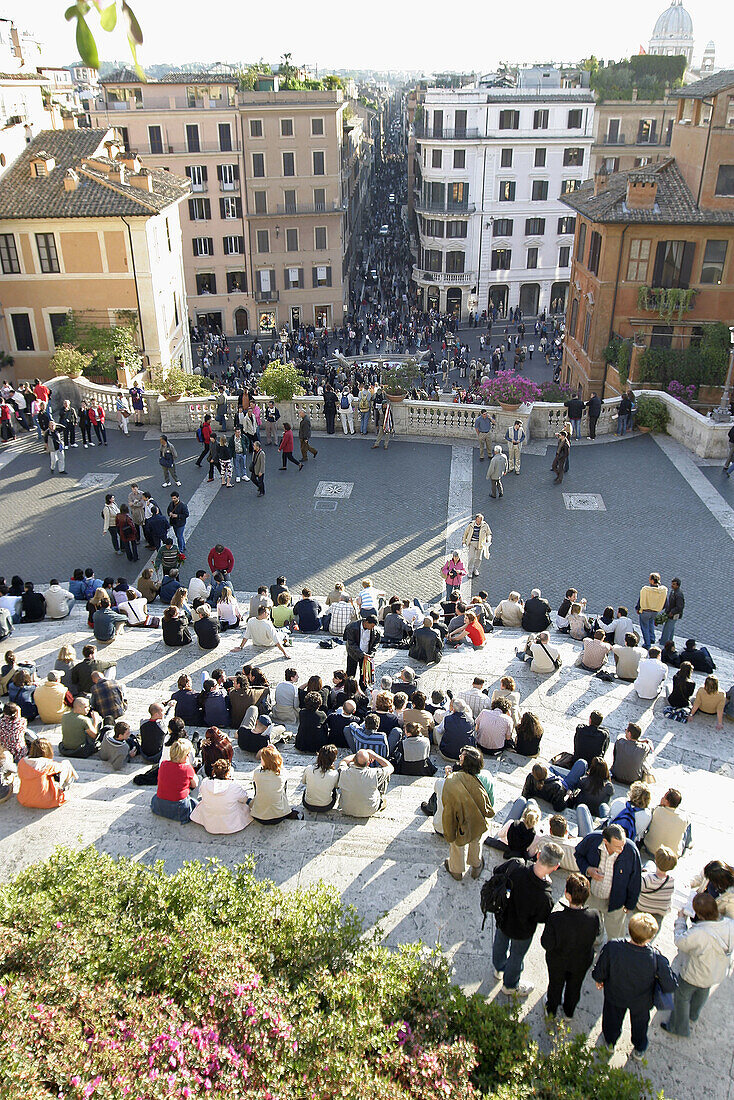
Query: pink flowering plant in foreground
[
  {"x": 120, "y": 982},
  {"x": 685, "y": 394}
]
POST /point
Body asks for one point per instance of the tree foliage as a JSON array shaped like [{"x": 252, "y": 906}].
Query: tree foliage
[
  {"x": 108, "y": 347},
  {"x": 650, "y": 74},
  {"x": 86, "y": 43}
]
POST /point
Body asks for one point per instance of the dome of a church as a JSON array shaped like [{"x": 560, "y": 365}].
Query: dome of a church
[{"x": 675, "y": 22}]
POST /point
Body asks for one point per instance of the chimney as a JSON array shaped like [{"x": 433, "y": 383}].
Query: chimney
[
  {"x": 141, "y": 179},
  {"x": 70, "y": 122},
  {"x": 642, "y": 189},
  {"x": 601, "y": 179},
  {"x": 42, "y": 164},
  {"x": 130, "y": 160},
  {"x": 71, "y": 180}
]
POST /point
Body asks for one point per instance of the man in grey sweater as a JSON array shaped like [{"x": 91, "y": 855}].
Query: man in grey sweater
[{"x": 497, "y": 470}]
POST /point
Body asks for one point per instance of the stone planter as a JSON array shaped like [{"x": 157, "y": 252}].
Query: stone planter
[
  {"x": 396, "y": 398},
  {"x": 509, "y": 407}
]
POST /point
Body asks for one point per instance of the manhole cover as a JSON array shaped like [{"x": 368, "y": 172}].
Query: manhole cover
[
  {"x": 584, "y": 502},
  {"x": 325, "y": 505},
  {"x": 97, "y": 481},
  {"x": 334, "y": 490}
]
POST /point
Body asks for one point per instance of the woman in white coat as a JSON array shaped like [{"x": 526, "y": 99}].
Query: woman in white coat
[{"x": 224, "y": 805}]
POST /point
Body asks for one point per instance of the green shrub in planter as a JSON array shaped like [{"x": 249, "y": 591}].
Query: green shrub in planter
[
  {"x": 282, "y": 381},
  {"x": 177, "y": 383},
  {"x": 652, "y": 413},
  {"x": 68, "y": 361}
]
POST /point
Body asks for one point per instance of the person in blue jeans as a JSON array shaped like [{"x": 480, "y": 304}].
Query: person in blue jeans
[
  {"x": 592, "y": 785},
  {"x": 178, "y": 513},
  {"x": 530, "y": 903}
]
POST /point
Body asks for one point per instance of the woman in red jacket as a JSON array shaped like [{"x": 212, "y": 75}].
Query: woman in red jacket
[
  {"x": 286, "y": 448},
  {"x": 96, "y": 419}
]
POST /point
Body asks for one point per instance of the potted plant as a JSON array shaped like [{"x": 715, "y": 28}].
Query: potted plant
[
  {"x": 510, "y": 390},
  {"x": 651, "y": 415},
  {"x": 398, "y": 379},
  {"x": 176, "y": 383},
  {"x": 68, "y": 361},
  {"x": 282, "y": 381}
]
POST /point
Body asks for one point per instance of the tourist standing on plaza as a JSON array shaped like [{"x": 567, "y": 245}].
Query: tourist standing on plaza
[
  {"x": 483, "y": 426},
  {"x": 97, "y": 419},
  {"x": 136, "y": 397},
  {"x": 257, "y": 468},
  {"x": 563, "y": 450},
  {"x": 55, "y": 443},
  {"x": 468, "y": 807},
  {"x": 529, "y": 904},
  {"x": 705, "y": 951},
  {"x": 653, "y": 596},
  {"x": 477, "y": 539},
  {"x": 593, "y": 406},
  {"x": 167, "y": 456},
  {"x": 304, "y": 435},
  {"x": 496, "y": 471},
  {"x": 178, "y": 513},
  {"x": 453, "y": 572},
  {"x": 109, "y": 520},
  {"x": 515, "y": 437},
  {"x": 330, "y": 409},
  {"x": 674, "y": 604},
  {"x": 611, "y": 862},
  {"x": 575, "y": 406},
  {"x": 385, "y": 427},
  {"x": 568, "y": 939}
]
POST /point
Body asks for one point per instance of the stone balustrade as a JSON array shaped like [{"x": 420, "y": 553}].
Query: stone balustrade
[{"x": 81, "y": 389}]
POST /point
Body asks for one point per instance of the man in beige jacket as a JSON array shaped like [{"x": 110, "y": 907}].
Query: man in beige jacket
[{"x": 477, "y": 539}]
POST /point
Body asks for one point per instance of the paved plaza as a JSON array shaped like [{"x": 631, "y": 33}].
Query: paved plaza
[{"x": 403, "y": 509}]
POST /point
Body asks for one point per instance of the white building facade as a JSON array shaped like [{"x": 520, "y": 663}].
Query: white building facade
[{"x": 491, "y": 166}]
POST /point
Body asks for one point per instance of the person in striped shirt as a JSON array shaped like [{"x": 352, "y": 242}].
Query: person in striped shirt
[{"x": 656, "y": 891}]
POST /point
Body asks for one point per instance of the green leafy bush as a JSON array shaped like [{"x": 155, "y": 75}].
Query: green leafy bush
[
  {"x": 282, "y": 381},
  {"x": 175, "y": 382},
  {"x": 69, "y": 361},
  {"x": 702, "y": 364},
  {"x": 108, "y": 347},
  {"x": 651, "y": 413}
]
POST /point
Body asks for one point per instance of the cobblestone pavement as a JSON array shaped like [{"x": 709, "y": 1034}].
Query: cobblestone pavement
[{"x": 390, "y": 867}]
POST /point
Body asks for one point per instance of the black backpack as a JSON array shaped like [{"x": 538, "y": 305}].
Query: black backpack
[{"x": 495, "y": 894}]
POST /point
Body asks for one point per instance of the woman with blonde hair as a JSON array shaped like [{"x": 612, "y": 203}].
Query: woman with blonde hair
[
  {"x": 228, "y": 610},
  {"x": 709, "y": 700},
  {"x": 179, "y": 599},
  {"x": 270, "y": 805},
  {"x": 64, "y": 663},
  {"x": 176, "y": 780},
  {"x": 43, "y": 780}
]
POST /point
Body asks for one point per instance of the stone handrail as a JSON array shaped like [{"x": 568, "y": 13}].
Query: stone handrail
[{"x": 81, "y": 389}]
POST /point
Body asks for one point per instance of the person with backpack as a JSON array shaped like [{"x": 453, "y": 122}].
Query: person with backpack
[
  {"x": 520, "y": 896},
  {"x": 632, "y": 813},
  {"x": 204, "y": 436},
  {"x": 167, "y": 456},
  {"x": 346, "y": 412},
  {"x": 363, "y": 407},
  {"x": 468, "y": 807},
  {"x": 127, "y": 532},
  {"x": 568, "y": 940}
]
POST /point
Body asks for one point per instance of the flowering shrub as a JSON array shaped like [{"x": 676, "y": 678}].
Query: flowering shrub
[
  {"x": 556, "y": 391},
  {"x": 509, "y": 388},
  {"x": 686, "y": 394},
  {"x": 120, "y": 982}
]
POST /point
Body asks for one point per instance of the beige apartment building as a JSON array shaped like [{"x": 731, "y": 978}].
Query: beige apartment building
[
  {"x": 631, "y": 134},
  {"x": 85, "y": 226},
  {"x": 278, "y": 192}
]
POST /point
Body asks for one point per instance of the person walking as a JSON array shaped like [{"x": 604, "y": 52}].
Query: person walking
[
  {"x": 563, "y": 450},
  {"x": 238, "y": 447},
  {"x": 167, "y": 456},
  {"x": 674, "y": 604},
  {"x": 386, "y": 427},
  {"x": 257, "y": 468},
  {"x": 483, "y": 425},
  {"x": 178, "y": 513},
  {"x": 122, "y": 409},
  {"x": 628, "y": 971},
  {"x": 304, "y": 435},
  {"x": 515, "y": 437},
  {"x": 56, "y": 450},
  {"x": 286, "y": 448},
  {"x": 468, "y": 807},
  {"x": 529, "y": 904},
  {"x": 705, "y": 951},
  {"x": 225, "y": 460},
  {"x": 568, "y": 940},
  {"x": 496, "y": 471},
  {"x": 477, "y": 539},
  {"x": 204, "y": 436}
]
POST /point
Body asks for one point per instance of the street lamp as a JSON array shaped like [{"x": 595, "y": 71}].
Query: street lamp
[{"x": 723, "y": 413}]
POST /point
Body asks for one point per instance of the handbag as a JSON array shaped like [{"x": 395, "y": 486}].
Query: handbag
[
  {"x": 166, "y": 460},
  {"x": 662, "y": 1001}
]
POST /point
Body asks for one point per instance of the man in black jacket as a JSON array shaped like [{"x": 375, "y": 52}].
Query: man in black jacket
[
  {"x": 362, "y": 639},
  {"x": 426, "y": 645},
  {"x": 530, "y": 903},
  {"x": 594, "y": 407},
  {"x": 568, "y": 939},
  {"x": 178, "y": 513},
  {"x": 674, "y": 604},
  {"x": 575, "y": 406},
  {"x": 590, "y": 740},
  {"x": 536, "y": 616}
]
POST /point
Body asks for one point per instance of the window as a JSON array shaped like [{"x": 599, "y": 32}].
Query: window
[
  {"x": 573, "y": 157},
  {"x": 540, "y": 158},
  {"x": 587, "y": 328},
  {"x": 501, "y": 259},
  {"x": 564, "y": 255},
  {"x": 436, "y": 158},
  {"x": 203, "y": 246},
  {"x": 540, "y": 190},
  {"x": 532, "y": 258},
  {"x": 506, "y": 158},
  {"x": 661, "y": 336},
  {"x": 258, "y": 165},
  {"x": 611, "y": 164},
  {"x": 638, "y": 261},
  {"x": 569, "y": 186},
  {"x": 594, "y": 252},
  {"x": 509, "y": 120},
  {"x": 435, "y": 194},
  {"x": 507, "y": 190},
  {"x": 455, "y": 262},
  {"x": 228, "y": 176},
  {"x": 192, "y": 138},
  {"x": 458, "y": 194},
  {"x": 236, "y": 282},
  {"x": 725, "y": 180},
  {"x": 432, "y": 259},
  {"x": 289, "y": 164},
  {"x": 534, "y": 227},
  {"x": 567, "y": 224},
  {"x": 9, "y": 255},
  {"x": 206, "y": 282},
  {"x": 319, "y": 198},
  {"x": 197, "y": 173},
  {"x": 261, "y": 202},
  {"x": 432, "y": 227},
  {"x": 225, "y": 137},
  {"x": 575, "y": 119},
  {"x": 319, "y": 238},
  {"x": 233, "y": 246},
  {"x": 456, "y": 229},
  {"x": 22, "y": 331},
  {"x": 647, "y": 131},
  {"x": 124, "y": 137},
  {"x": 581, "y": 243},
  {"x": 57, "y": 322},
  {"x": 502, "y": 227},
  {"x": 714, "y": 258},
  {"x": 673, "y": 264},
  {"x": 317, "y": 127},
  {"x": 459, "y": 124},
  {"x": 155, "y": 139},
  {"x": 47, "y": 254},
  {"x": 263, "y": 240},
  {"x": 459, "y": 158},
  {"x": 265, "y": 281},
  {"x": 256, "y": 128},
  {"x": 286, "y": 127},
  {"x": 318, "y": 163},
  {"x": 293, "y": 278},
  {"x": 573, "y": 320},
  {"x": 230, "y": 208},
  {"x": 540, "y": 120},
  {"x": 291, "y": 240},
  {"x": 612, "y": 135},
  {"x": 321, "y": 276},
  {"x": 438, "y": 124}
]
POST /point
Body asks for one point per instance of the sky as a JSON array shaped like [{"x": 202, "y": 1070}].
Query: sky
[{"x": 383, "y": 35}]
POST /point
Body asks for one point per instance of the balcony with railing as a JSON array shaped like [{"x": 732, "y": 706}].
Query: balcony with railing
[
  {"x": 446, "y": 133},
  {"x": 454, "y": 278},
  {"x": 266, "y": 295},
  {"x": 453, "y": 209},
  {"x": 283, "y": 210}
]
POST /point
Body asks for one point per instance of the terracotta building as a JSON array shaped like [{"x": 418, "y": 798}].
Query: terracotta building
[
  {"x": 86, "y": 227},
  {"x": 665, "y": 227},
  {"x": 632, "y": 133}
]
